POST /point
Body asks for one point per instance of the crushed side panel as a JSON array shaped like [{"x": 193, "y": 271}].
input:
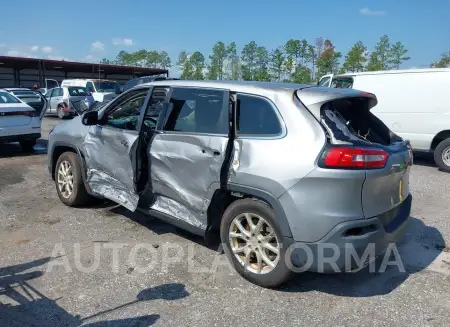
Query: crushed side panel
[{"x": 185, "y": 172}]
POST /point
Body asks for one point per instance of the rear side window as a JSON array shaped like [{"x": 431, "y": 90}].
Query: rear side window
[
  {"x": 197, "y": 111},
  {"x": 77, "y": 91},
  {"x": 256, "y": 117},
  {"x": 58, "y": 92},
  {"x": 7, "y": 98}
]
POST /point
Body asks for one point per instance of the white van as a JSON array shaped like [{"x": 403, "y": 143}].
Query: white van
[
  {"x": 414, "y": 103},
  {"x": 97, "y": 87}
]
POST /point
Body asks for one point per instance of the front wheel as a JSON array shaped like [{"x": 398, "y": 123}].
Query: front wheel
[
  {"x": 69, "y": 182},
  {"x": 442, "y": 155},
  {"x": 253, "y": 243}
]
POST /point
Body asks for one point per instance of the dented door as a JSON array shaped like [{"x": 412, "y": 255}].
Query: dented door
[
  {"x": 111, "y": 149},
  {"x": 188, "y": 152}
]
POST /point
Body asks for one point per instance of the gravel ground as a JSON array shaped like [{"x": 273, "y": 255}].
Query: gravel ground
[{"x": 42, "y": 243}]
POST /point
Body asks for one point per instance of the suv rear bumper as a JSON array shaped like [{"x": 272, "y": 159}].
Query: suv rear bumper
[
  {"x": 352, "y": 245},
  {"x": 21, "y": 137}
]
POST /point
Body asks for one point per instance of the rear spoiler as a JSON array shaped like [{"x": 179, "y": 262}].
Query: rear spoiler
[{"x": 313, "y": 98}]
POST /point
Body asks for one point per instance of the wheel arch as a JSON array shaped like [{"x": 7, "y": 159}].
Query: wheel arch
[
  {"x": 223, "y": 198},
  {"x": 441, "y": 136}
]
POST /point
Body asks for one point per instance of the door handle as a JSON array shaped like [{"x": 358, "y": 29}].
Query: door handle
[
  {"x": 216, "y": 153},
  {"x": 124, "y": 143}
]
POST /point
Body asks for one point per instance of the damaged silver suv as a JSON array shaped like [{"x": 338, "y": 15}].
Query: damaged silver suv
[{"x": 288, "y": 175}]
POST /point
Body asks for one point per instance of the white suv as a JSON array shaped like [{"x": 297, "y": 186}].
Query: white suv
[{"x": 19, "y": 121}]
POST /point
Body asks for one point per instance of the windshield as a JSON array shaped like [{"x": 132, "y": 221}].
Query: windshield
[
  {"x": 77, "y": 91},
  {"x": 342, "y": 83},
  {"x": 106, "y": 86},
  {"x": 324, "y": 81},
  {"x": 5, "y": 97}
]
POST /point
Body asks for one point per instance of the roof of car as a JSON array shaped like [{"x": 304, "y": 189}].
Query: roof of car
[
  {"x": 394, "y": 71},
  {"x": 241, "y": 85},
  {"x": 9, "y": 89}
]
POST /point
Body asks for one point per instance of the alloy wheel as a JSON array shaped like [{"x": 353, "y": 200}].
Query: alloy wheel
[
  {"x": 65, "y": 179},
  {"x": 254, "y": 243},
  {"x": 446, "y": 156}
]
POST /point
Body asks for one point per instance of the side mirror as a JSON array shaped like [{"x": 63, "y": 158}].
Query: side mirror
[{"x": 90, "y": 118}]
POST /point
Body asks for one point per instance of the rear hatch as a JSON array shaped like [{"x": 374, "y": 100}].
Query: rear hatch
[{"x": 357, "y": 139}]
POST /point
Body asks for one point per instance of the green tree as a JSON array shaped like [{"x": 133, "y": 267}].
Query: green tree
[
  {"x": 292, "y": 48},
  {"x": 105, "y": 61},
  {"x": 233, "y": 67},
  {"x": 277, "y": 63},
  {"x": 185, "y": 66},
  {"x": 249, "y": 61},
  {"x": 197, "y": 61},
  {"x": 380, "y": 56},
  {"x": 262, "y": 64},
  {"x": 329, "y": 59},
  {"x": 311, "y": 57},
  {"x": 164, "y": 60},
  {"x": 301, "y": 75},
  {"x": 444, "y": 62},
  {"x": 355, "y": 59},
  {"x": 218, "y": 57},
  {"x": 397, "y": 55}
]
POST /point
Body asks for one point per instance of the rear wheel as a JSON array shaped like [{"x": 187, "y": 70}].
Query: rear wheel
[
  {"x": 69, "y": 181},
  {"x": 60, "y": 112},
  {"x": 253, "y": 242},
  {"x": 442, "y": 155},
  {"x": 27, "y": 145}
]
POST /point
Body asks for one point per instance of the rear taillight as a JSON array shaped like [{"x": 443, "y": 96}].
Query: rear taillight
[{"x": 354, "y": 158}]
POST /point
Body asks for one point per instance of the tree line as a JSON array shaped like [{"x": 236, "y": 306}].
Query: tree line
[{"x": 295, "y": 61}]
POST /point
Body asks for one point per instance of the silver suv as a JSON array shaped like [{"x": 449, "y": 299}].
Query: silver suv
[{"x": 284, "y": 173}]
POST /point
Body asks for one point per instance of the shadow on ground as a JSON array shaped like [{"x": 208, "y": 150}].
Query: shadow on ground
[
  {"x": 419, "y": 247},
  {"x": 8, "y": 150},
  {"x": 21, "y": 304}
]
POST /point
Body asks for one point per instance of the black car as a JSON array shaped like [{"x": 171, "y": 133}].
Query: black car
[{"x": 144, "y": 79}]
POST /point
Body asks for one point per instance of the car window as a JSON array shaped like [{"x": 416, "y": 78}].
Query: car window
[
  {"x": 125, "y": 115},
  {"x": 256, "y": 117},
  {"x": 77, "y": 91},
  {"x": 90, "y": 87},
  {"x": 197, "y": 111},
  {"x": 130, "y": 84},
  {"x": 49, "y": 93},
  {"x": 342, "y": 83},
  {"x": 324, "y": 81},
  {"x": 58, "y": 92},
  {"x": 5, "y": 97}
]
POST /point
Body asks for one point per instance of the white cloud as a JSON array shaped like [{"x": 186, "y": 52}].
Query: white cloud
[
  {"x": 97, "y": 46},
  {"x": 57, "y": 58},
  {"x": 16, "y": 53},
  {"x": 89, "y": 57},
  {"x": 125, "y": 41},
  {"x": 369, "y": 12},
  {"x": 34, "y": 48},
  {"x": 47, "y": 49}
]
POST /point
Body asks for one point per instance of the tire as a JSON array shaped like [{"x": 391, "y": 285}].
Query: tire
[
  {"x": 442, "y": 155},
  {"x": 59, "y": 112},
  {"x": 272, "y": 277},
  {"x": 78, "y": 196},
  {"x": 27, "y": 145}
]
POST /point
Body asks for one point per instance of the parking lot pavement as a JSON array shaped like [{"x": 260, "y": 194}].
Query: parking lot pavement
[{"x": 46, "y": 250}]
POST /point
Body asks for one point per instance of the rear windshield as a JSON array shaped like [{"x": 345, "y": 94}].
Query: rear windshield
[
  {"x": 5, "y": 97},
  {"x": 77, "y": 91},
  {"x": 28, "y": 96}
]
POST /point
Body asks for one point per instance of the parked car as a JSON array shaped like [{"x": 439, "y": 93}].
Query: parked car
[
  {"x": 60, "y": 100},
  {"x": 99, "y": 88},
  {"x": 266, "y": 166},
  {"x": 19, "y": 121},
  {"x": 413, "y": 103},
  {"x": 144, "y": 79}
]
